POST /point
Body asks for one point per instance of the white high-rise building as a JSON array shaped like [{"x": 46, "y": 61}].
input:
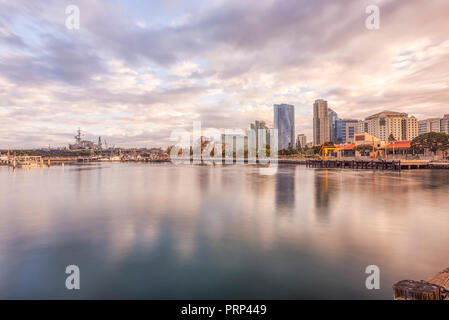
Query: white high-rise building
[{"x": 412, "y": 128}]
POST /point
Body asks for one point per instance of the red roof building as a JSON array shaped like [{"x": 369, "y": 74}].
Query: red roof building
[{"x": 398, "y": 145}]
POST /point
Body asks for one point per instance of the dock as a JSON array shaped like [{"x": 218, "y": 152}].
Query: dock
[
  {"x": 26, "y": 162},
  {"x": 373, "y": 164}
]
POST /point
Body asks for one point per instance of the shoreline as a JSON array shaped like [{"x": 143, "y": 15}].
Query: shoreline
[{"x": 311, "y": 163}]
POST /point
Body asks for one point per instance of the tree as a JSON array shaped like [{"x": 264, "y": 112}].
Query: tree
[
  {"x": 391, "y": 138},
  {"x": 364, "y": 148},
  {"x": 432, "y": 141},
  {"x": 317, "y": 149},
  {"x": 291, "y": 151}
]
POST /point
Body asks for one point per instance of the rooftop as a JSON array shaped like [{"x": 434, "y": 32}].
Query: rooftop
[{"x": 387, "y": 113}]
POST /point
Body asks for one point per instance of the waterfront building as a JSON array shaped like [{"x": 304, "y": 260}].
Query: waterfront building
[
  {"x": 345, "y": 130},
  {"x": 333, "y": 117},
  {"x": 434, "y": 125},
  {"x": 362, "y": 126},
  {"x": 301, "y": 141},
  {"x": 234, "y": 143},
  {"x": 284, "y": 122},
  {"x": 321, "y": 127},
  {"x": 367, "y": 139},
  {"x": 398, "y": 149},
  {"x": 429, "y": 125},
  {"x": 444, "y": 127},
  {"x": 324, "y": 123},
  {"x": 260, "y": 125},
  {"x": 412, "y": 128},
  {"x": 388, "y": 123}
]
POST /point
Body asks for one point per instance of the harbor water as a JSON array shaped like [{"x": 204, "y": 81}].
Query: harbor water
[{"x": 159, "y": 231}]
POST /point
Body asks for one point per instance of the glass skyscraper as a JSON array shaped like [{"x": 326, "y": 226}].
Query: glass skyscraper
[
  {"x": 345, "y": 130},
  {"x": 284, "y": 122}
]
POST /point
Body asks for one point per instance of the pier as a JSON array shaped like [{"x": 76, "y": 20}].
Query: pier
[
  {"x": 39, "y": 161},
  {"x": 373, "y": 164},
  {"x": 26, "y": 162}
]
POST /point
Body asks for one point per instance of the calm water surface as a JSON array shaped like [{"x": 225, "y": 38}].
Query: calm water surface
[{"x": 198, "y": 232}]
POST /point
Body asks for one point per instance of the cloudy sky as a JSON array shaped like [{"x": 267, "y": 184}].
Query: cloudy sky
[{"x": 136, "y": 70}]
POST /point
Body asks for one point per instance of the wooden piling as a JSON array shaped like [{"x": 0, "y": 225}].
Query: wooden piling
[
  {"x": 435, "y": 288},
  {"x": 366, "y": 165}
]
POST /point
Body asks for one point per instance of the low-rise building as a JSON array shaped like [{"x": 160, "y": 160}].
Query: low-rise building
[{"x": 301, "y": 141}]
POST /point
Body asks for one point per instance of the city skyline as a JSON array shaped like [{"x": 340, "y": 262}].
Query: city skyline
[
  {"x": 133, "y": 78},
  {"x": 433, "y": 124}
]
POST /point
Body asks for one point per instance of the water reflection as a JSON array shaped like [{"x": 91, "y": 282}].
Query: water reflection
[
  {"x": 322, "y": 194},
  {"x": 285, "y": 189},
  {"x": 159, "y": 231}
]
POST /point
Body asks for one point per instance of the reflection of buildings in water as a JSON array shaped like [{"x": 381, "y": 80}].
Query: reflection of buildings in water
[
  {"x": 203, "y": 178},
  {"x": 322, "y": 195},
  {"x": 434, "y": 179},
  {"x": 285, "y": 188},
  {"x": 260, "y": 185}
]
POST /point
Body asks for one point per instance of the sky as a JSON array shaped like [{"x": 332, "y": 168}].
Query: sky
[{"x": 135, "y": 71}]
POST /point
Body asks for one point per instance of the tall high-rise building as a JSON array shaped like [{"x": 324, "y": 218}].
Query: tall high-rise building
[
  {"x": 333, "y": 117},
  {"x": 412, "y": 128},
  {"x": 321, "y": 127},
  {"x": 301, "y": 141},
  {"x": 284, "y": 122},
  {"x": 388, "y": 123}
]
